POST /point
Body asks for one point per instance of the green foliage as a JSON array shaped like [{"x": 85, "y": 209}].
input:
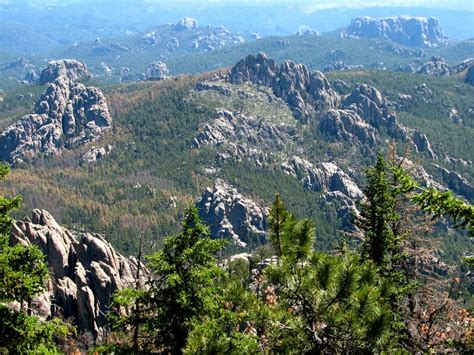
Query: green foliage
[
  {"x": 183, "y": 287},
  {"x": 331, "y": 304},
  {"x": 445, "y": 204},
  {"x": 25, "y": 334}
]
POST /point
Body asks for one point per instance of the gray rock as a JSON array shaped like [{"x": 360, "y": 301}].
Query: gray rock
[
  {"x": 410, "y": 31},
  {"x": 348, "y": 126},
  {"x": 306, "y": 93},
  {"x": 156, "y": 71},
  {"x": 186, "y": 23},
  {"x": 322, "y": 177},
  {"x": 67, "y": 114},
  {"x": 341, "y": 66},
  {"x": 84, "y": 270},
  {"x": 422, "y": 144},
  {"x": 436, "y": 66},
  {"x": 66, "y": 68},
  {"x": 457, "y": 183},
  {"x": 232, "y": 216},
  {"x": 201, "y": 86},
  {"x": 95, "y": 154},
  {"x": 31, "y": 76}
]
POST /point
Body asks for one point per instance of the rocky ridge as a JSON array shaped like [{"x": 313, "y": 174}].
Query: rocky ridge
[
  {"x": 355, "y": 117},
  {"x": 84, "y": 271},
  {"x": 410, "y": 31},
  {"x": 67, "y": 114}
]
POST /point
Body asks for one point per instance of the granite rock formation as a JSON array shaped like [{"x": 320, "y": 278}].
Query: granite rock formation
[
  {"x": 156, "y": 71},
  {"x": 232, "y": 216},
  {"x": 410, "y": 31},
  {"x": 84, "y": 271},
  {"x": 66, "y": 68},
  {"x": 67, "y": 114},
  {"x": 305, "y": 92}
]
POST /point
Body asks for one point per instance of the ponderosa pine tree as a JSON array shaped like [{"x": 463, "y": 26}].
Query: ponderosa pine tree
[
  {"x": 23, "y": 274},
  {"x": 324, "y": 304}
]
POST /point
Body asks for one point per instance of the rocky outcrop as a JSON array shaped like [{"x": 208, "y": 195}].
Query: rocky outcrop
[
  {"x": 322, "y": 177},
  {"x": 410, "y": 31},
  {"x": 341, "y": 66},
  {"x": 457, "y": 183},
  {"x": 202, "y": 86},
  {"x": 228, "y": 128},
  {"x": 232, "y": 216},
  {"x": 333, "y": 183},
  {"x": 186, "y": 23},
  {"x": 436, "y": 66},
  {"x": 348, "y": 126},
  {"x": 84, "y": 271},
  {"x": 156, "y": 71},
  {"x": 356, "y": 116},
  {"x": 66, "y": 68},
  {"x": 422, "y": 144},
  {"x": 67, "y": 114},
  {"x": 95, "y": 154},
  {"x": 305, "y": 92}
]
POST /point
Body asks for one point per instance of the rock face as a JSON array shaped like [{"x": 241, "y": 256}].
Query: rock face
[
  {"x": 323, "y": 177},
  {"x": 67, "y": 68},
  {"x": 67, "y": 114},
  {"x": 232, "y": 216},
  {"x": 84, "y": 269},
  {"x": 328, "y": 179},
  {"x": 95, "y": 154},
  {"x": 457, "y": 183},
  {"x": 156, "y": 71},
  {"x": 410, "y": 31}
]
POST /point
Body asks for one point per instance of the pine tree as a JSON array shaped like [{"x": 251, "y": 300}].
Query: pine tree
[
  {"x": 323, "y": 303},
  {"x": 181, "y": 291}
]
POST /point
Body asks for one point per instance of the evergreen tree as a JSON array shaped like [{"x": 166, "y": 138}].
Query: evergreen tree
[
  {"x": 325, "y": 304},
  {"x": 182, "y": 289}
]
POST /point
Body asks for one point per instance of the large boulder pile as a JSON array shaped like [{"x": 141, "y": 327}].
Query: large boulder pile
[
  {"x": 67, "y": 68},
  {"x": 232, "y": 216},
  {"x": 84, "y": 269},
  {"x": 66, "y": 115},
  {"x": 410, "y": 31}
]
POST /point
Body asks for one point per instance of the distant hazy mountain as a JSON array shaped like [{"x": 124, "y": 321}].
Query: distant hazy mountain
[{"x": 33, "y": 27}]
